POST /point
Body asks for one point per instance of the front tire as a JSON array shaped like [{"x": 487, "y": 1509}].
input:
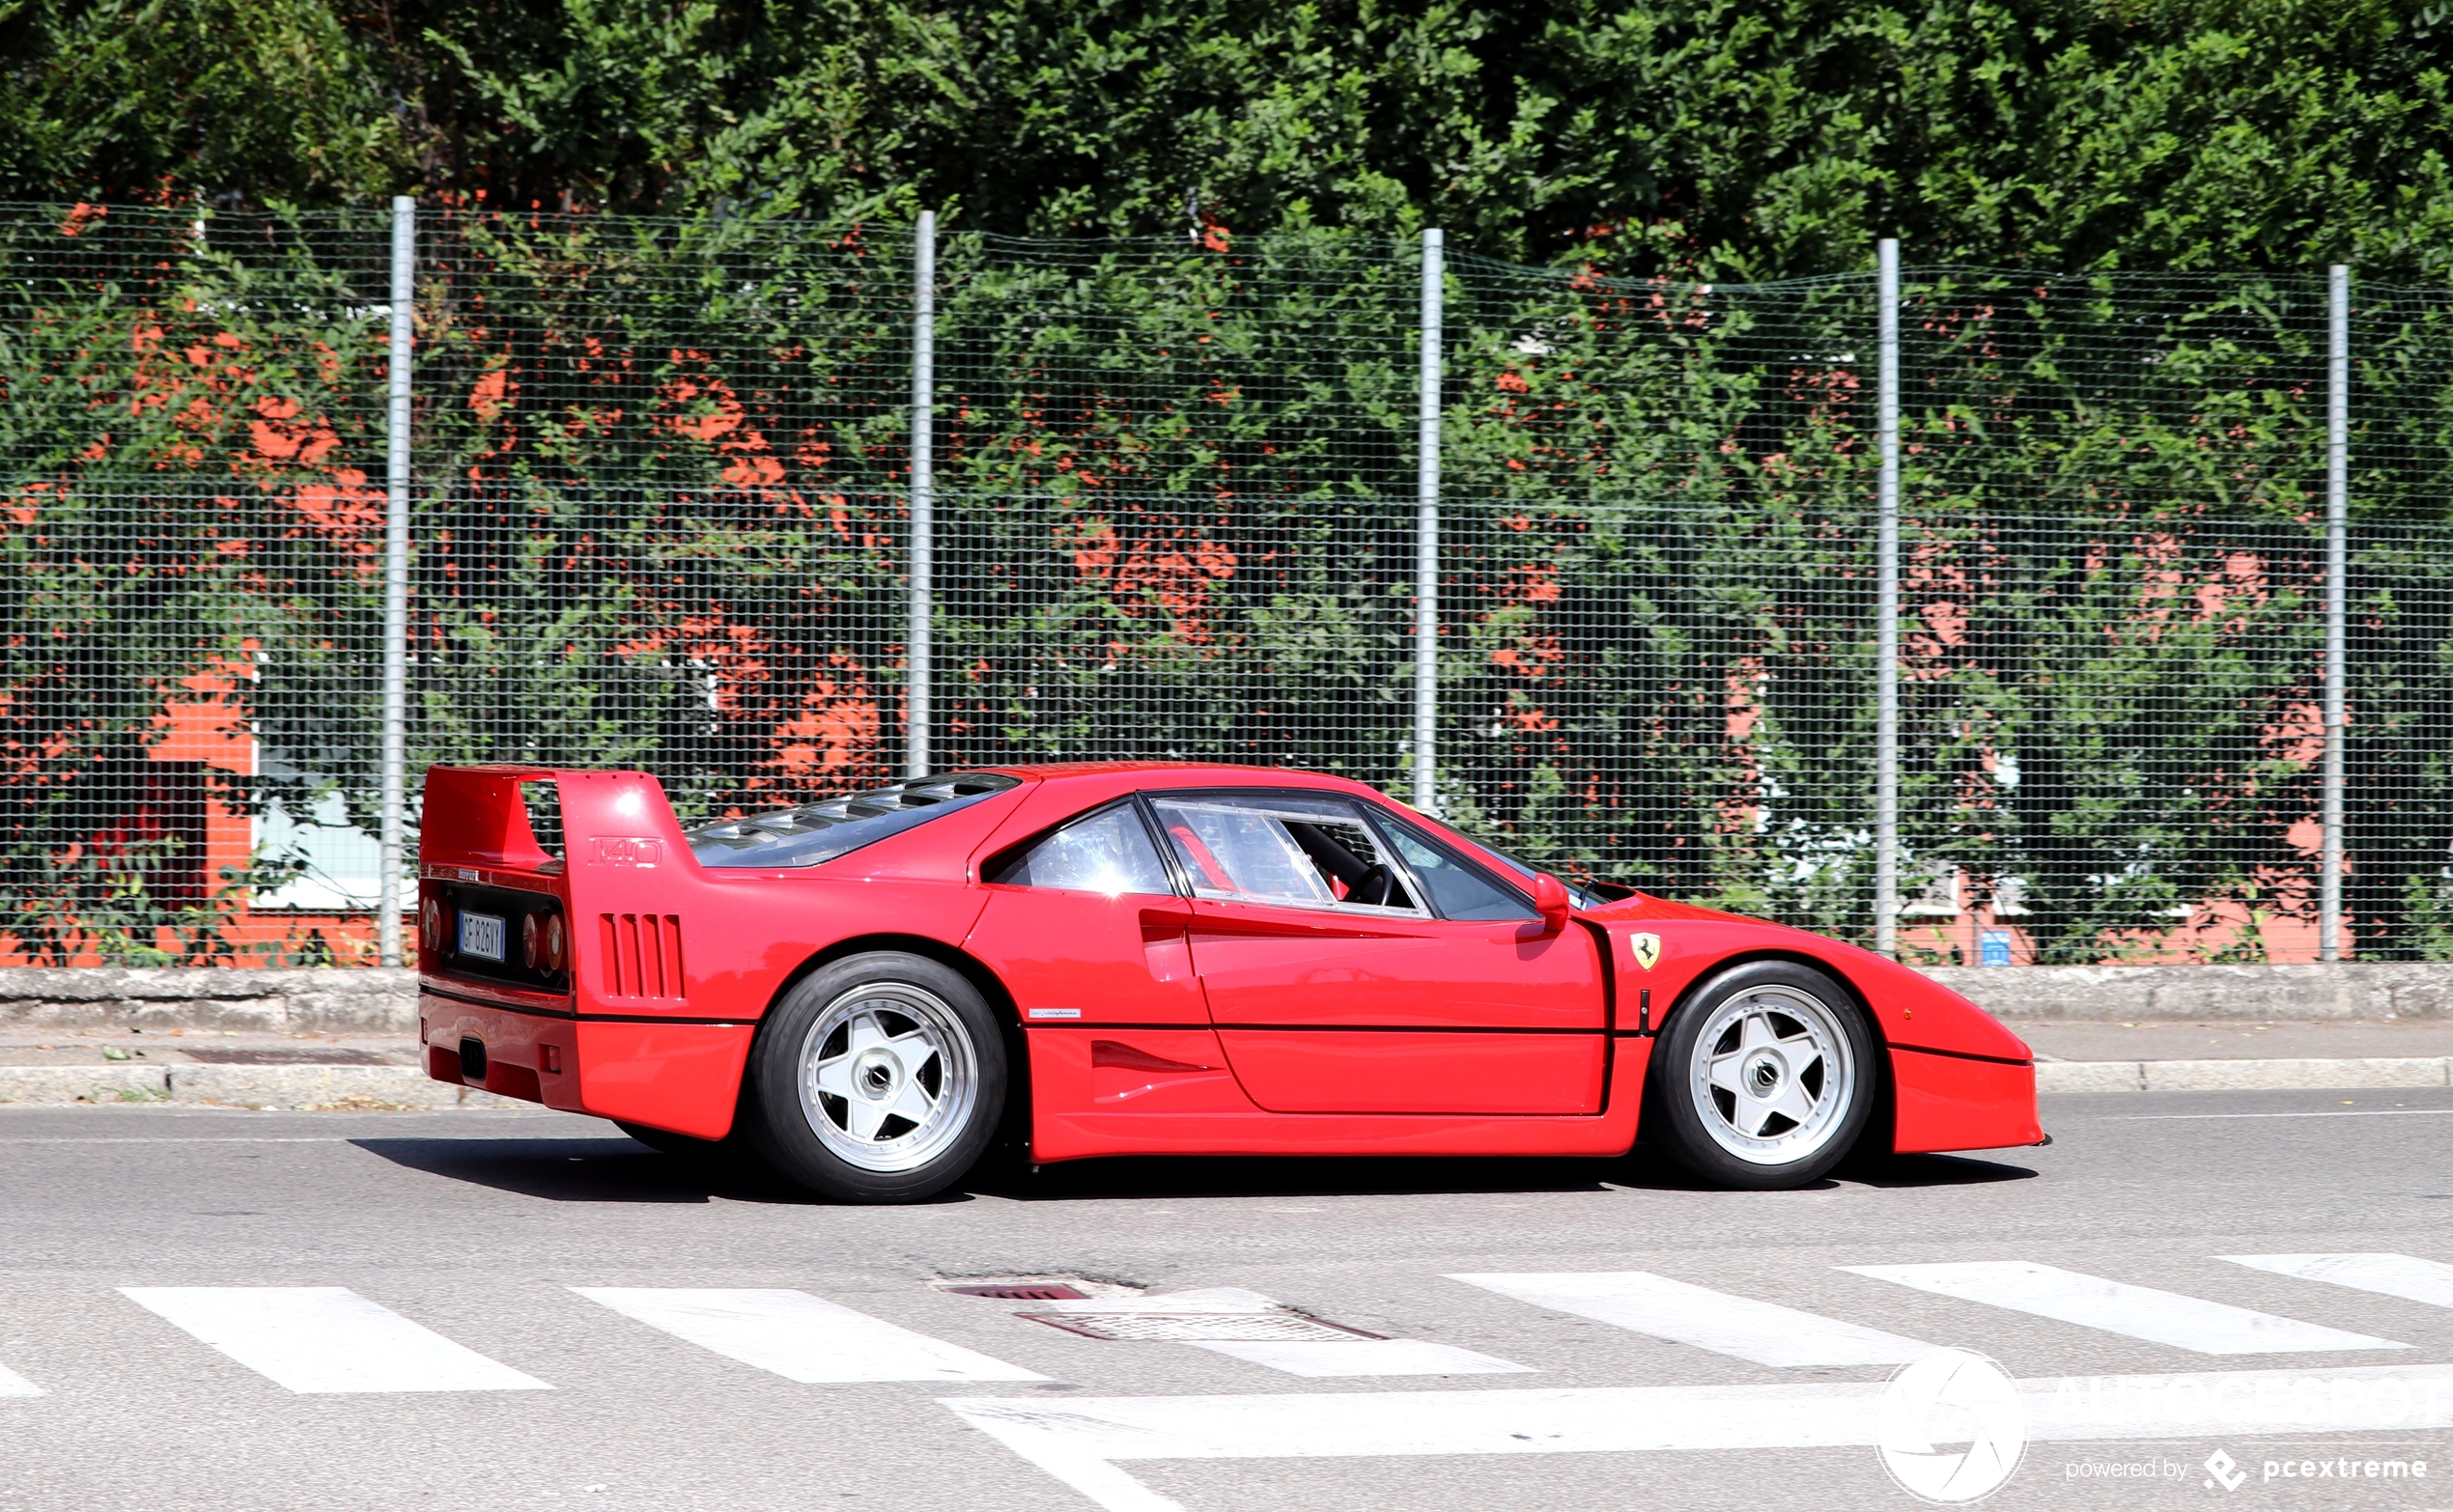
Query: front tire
[
  {"x": 878, "y": 1078},
  {"x": 1765, "y": 1078}
]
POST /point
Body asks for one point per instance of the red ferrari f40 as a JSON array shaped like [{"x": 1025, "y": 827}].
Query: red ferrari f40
[{"x": 1143, "y": 959}]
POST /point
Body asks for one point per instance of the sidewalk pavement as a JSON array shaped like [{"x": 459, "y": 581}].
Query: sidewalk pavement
[{"x": 378, "y": 1072}]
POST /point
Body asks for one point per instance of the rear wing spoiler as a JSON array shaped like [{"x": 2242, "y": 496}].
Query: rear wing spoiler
[
  {"x": 625, "y": 876},
  {"x": 609, "y": 823}
]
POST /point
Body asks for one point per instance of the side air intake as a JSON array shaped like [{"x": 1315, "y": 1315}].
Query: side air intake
[{"x": 642, "y": 955}]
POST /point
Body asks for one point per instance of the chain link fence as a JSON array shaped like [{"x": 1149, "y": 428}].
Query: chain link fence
[{"x": 659, "y": 517}]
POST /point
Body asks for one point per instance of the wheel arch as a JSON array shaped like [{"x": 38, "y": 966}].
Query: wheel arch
[
  {"x": 1876, "y": 1135},
  {"x": 992, "y": 989}
]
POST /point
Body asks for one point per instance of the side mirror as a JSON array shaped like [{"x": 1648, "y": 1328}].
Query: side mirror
[{"x": 1551, "y": 900}]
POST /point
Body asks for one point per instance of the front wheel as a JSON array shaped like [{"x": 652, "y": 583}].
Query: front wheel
[
  {"x": 878, "y": 1078},
  {"x": 1765, "y": 1077}
]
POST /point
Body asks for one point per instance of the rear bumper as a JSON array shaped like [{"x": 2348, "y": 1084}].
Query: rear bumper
[{"x": 681, "y": 1077}]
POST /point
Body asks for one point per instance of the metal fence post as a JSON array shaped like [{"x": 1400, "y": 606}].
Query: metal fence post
[
  {"x": 2337, "y": 597},
  {"x": 395, "y": 776},
  {"x": 918, "y": 674},
  {"x": 1426, "y": 540},
  {"x": 1886, "y": 609}
]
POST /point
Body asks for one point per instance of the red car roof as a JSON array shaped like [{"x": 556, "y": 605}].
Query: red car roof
[{"x": 1222, "y": 772}]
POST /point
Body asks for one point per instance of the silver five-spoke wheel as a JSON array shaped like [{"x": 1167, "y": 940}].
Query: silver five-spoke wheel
[
  {"x": 1765, "y": 1076},
  {"x": 878, "y": 1078},
  {"x": 1774, "y": 1068},
  {"x": 888, "y": 1077}
]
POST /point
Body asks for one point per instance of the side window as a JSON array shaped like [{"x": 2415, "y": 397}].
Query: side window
[
  {"x": 1108, "y": 852},
  {"x": 1285, "y": 849},
  {"x": 1459, "y": 889}
]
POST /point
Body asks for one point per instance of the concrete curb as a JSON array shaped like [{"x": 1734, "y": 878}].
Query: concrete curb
[
  {"x": 2352, "y": 991},
  {"x": 370, "y": 1087},
  {"x": 2234, "y": 1075},
  {"x": 376, "y": 1000},
  {"x": 270, "y": 1000},
  {"x": 409, "y": 1087}
]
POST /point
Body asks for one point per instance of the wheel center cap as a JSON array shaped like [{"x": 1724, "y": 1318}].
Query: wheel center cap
[
  {"x": 1763, "y": 1073},
  {"x": 877, "y": 1074}
]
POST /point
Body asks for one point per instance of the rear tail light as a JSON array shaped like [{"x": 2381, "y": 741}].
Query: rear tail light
[{"x": 542, "y": 941}]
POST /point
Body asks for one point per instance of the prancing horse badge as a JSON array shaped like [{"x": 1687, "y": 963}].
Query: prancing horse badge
[{"x": 1646, "y": 948}]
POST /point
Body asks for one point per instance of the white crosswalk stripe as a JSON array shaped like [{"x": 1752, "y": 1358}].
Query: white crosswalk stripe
[
  {"x": 2407, "y": 1276},
  {"x": 326, "y": 1338},
  {"x": 1315, "y": 1357},
  {"x": 2139, "y": 1312},
  {"x": 14, "y": 1385},
  {"x": 1764, "y": 1332},
  {"x": 1081, "y": 1441},
  {"x": 799, "y": 1337}
]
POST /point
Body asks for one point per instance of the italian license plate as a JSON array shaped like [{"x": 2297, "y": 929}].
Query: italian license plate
[{"x": 482, "y": 936}]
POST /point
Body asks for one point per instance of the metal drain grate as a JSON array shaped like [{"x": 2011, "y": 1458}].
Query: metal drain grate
[
  {"x": 1050, "y": 1288},
  {"x": 1022, "y": 1291},
  {"x": 1202, "y": 1328}
]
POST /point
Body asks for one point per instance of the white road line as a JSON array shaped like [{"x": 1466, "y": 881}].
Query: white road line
[
  {"x": 1367, "y": 1357},
  {"x": 201, "y": 1140},
  {"x": 2407, "y": 1276},
  {"x": 14, "y": 1385},
  {"x": 1764, "y": 1332},
  {"x": 799, "y": 1337},
  {"x": 1079, "y": 1441},
  {"x": 2140, "y": 1312},
  {"x": 2369, "y": 1113},
  {"x": 326, "y": 1338}
]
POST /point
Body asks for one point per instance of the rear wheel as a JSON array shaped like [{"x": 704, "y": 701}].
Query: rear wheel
[
  {"x": 1765, "y": 1077},
  {"x": 878, "y": 1078}
]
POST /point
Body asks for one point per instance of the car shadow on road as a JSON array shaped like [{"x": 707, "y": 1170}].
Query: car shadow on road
[
  {"x": 1293, "y": 1176},
  {"x": 1643, "y": 1169},
  {"x": 1889, "y": 1171},
  {"x": 615, "y": 1169},
  {"x": 620, "y": 1169}
]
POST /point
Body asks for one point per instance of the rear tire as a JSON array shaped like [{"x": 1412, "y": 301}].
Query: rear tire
[
  {"x": 878, "y": 1079},
  {"x": 1765, "y": 1077}
]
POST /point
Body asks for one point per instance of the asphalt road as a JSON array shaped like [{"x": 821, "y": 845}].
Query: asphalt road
[{"x": 478, "y": 1227}]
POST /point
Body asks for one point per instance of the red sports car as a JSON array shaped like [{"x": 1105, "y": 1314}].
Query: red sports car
[{"x": 1148, "y": 958}]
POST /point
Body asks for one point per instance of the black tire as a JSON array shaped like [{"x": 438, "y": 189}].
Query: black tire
[
  {"x": 880, "y": 1078},
  {"x": 1783, "y": 1090}
]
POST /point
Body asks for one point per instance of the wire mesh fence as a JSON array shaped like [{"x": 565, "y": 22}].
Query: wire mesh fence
[{"x": 660, "y": 519}]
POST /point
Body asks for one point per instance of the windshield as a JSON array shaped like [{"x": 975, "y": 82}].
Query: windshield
[
  {"x": 819, "y": 832},
  {"x": 1579, "y": 896}
]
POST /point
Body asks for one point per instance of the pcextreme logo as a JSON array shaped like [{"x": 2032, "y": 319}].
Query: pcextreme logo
[{"x": 2223, "y": 1471}]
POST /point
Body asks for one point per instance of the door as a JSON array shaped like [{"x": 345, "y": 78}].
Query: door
[
  {"x": 1353, "y": 965},
  {"x": 1085, "y": 927},
  {"x": 1086, "y": 931}
]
